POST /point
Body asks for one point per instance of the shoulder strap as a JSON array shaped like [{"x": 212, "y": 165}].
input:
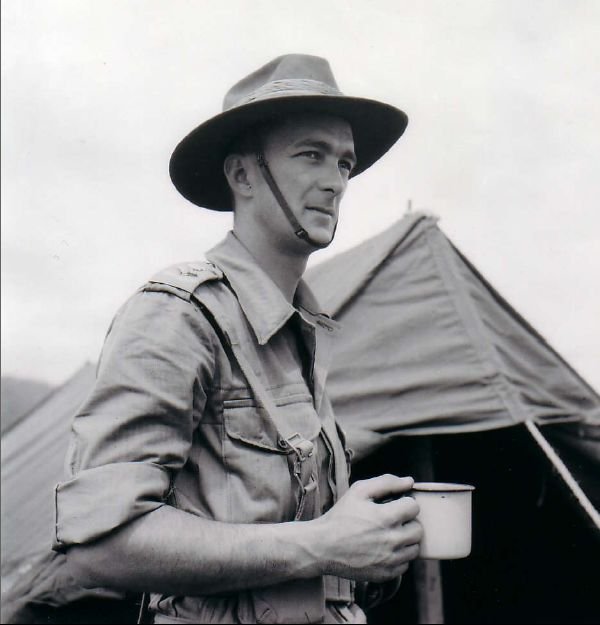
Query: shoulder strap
[{"x": 183, "y": 279}]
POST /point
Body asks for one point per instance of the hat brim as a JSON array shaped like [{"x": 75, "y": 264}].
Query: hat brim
[{"x": 196, "y": 166}]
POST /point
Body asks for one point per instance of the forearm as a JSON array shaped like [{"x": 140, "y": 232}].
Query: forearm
[{"x": 171, "y": 551}]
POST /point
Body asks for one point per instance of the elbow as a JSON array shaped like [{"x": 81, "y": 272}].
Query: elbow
[{"x": 89, "y": 566}]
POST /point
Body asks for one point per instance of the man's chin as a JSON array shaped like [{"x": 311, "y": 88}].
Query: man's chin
[{"x": 321, "y": 238}]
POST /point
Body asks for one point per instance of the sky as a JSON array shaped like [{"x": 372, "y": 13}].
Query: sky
[{"x": 503, "y": 145}]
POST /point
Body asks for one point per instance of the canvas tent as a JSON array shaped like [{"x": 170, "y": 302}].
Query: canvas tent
[
  {"x": 435, "y": 375},
  {"x": 33, "y": 454}
]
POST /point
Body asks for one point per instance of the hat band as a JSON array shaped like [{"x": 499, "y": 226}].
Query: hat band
[{"x": 291, "y": 87}]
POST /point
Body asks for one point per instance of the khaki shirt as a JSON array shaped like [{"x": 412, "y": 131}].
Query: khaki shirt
[{"x": 172, "y": 419}]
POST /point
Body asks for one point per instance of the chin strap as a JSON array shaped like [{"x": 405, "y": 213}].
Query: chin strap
[{"x": 299, "y": 231}]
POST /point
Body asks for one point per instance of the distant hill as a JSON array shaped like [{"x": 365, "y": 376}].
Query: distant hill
[{"x": 19, "y": 396}]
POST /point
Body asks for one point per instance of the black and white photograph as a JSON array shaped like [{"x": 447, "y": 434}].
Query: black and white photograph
[{"x": 300, "y": 311}]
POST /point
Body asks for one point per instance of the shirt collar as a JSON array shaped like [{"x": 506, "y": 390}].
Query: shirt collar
[{"x": 263, "y": 303}]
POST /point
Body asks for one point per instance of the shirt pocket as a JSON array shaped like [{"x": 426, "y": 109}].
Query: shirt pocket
[{"x": 259, "y": 462}]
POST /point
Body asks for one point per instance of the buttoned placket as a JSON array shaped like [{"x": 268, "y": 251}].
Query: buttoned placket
[{"x": 317, "y": 334}]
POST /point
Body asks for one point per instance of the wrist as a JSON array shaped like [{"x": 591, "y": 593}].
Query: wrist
[{"x": 308, "y": 546}]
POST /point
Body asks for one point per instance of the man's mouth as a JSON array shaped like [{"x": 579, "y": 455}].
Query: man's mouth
[{"x": 330, "y": 212}]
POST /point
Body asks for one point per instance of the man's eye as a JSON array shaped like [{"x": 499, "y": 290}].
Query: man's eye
[
  {"x": 312, "y": 154},
  {"x": 347, "y": 165}
]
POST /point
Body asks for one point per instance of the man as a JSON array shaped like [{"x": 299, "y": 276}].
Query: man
[{"x": 207, "y": 467}]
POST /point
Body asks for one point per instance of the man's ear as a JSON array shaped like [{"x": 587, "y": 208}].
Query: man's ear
[{"x": 236, "y": 172}]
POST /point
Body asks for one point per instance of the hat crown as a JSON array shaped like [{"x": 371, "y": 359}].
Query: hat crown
[{"x": 303, "y": 74}]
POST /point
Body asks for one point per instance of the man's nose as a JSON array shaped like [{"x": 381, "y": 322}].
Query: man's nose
[{"x": 333, "y": 180}]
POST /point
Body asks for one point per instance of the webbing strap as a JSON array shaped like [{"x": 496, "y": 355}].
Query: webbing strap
[
  {"x": 304, "y": 464},
  {"x": 304, "y": 471}
]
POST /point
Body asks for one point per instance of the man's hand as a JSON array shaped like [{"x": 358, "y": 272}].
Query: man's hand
[{"x": 365, "y": 540}]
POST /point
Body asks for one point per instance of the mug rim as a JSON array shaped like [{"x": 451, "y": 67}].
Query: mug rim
[{"x": 432, "y": 487}]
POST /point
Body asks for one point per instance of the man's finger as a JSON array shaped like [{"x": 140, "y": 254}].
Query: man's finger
[
  {"x": 404, "y": 509},
  {"x": 412, "y": 534},
  {"x": 384, "y": 486}
]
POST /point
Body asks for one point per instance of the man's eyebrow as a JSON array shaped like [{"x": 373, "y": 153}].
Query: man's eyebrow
[{"x": 323, "y": 145}]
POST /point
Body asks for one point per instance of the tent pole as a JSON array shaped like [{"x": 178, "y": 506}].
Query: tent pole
[
  {"x": 427, "y": 573},
  {"x": 564, "y": 472}
]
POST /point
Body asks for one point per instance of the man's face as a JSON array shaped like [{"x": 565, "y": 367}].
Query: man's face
[{"x": 311, "y": 157}]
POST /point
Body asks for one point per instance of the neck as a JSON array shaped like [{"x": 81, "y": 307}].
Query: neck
[{"x": 283, "y": 265}]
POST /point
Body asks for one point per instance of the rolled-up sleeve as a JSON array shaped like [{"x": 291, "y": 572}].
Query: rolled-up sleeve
[{"x": 135, "y": 430}]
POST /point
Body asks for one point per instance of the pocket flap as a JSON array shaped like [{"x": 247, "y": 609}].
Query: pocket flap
[{"x": 252, "y": 425}]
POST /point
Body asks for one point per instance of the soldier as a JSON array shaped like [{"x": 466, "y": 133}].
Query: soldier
[{"x": 207, "y": 467}]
